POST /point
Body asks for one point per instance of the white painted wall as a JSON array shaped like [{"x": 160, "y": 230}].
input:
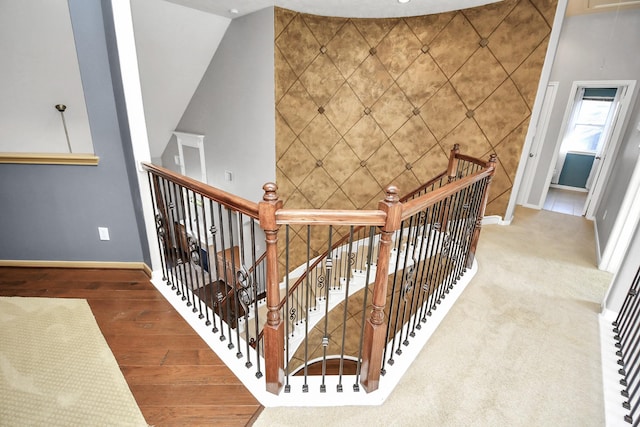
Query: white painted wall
[
  {"x": 39, "y": 70},
  {"x": 623, "y": 279},
  {"x": 599, "y": 46},
  {"x": 175, "y": 45},
  {"x": 234, "y": 108}
]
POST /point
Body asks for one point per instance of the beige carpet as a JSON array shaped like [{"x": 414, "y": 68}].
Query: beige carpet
[
  {"x": 56, "y": 368},
  {"x": 520, "y": 347}
]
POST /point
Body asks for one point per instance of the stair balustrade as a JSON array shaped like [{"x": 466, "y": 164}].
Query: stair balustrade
[
  {"x": 626, "y": 328},
  {"x": 319, "y": 294}
]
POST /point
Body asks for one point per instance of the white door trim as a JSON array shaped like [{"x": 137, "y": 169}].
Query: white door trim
[
  {"x": 537, "y": 144},
  {"x": 123, "y": 25},
  {"x": 545, "y": 76},
  {"x": 610, "y": 152},
  {"x": 193, "y": 140},
  {"x": 613, "y": 145}
]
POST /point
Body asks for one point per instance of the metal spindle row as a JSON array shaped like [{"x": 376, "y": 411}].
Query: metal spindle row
[
  {"x": 325, "y": 345},
  {"x": 429, "y": 257},
  {"x": 627, "y": 336},
  {"x": 210, "y": 258}
]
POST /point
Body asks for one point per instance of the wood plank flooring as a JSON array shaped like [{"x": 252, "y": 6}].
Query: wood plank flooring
[{"x": 173, "y": 375}]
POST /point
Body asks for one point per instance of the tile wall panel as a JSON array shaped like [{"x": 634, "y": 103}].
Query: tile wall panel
[{"x": 362, "y": 103}]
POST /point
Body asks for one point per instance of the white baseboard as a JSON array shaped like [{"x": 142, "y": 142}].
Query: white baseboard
[
  {"x": 257, "y": 386},
  {"x": 494, "y": 219},
  {"x": 568, "y": 188},
  {"x": 598, "y": 248}
]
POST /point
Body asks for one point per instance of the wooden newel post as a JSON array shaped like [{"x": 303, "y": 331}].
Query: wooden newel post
[
  {"x": 375, "y": 328},
  {"x": 274, "y": 328},
  {"x": 485, "y": 198},
  {"x": 452, "y": 171}
]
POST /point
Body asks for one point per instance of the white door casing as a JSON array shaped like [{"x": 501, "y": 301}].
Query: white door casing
[{"x": 537, "y": 144}]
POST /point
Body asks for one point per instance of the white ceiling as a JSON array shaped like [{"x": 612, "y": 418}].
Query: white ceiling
[
  {"x": 342, "y": 8},
  {"x": 166, "y": 48},
  {"x": 380, "y": 8}
]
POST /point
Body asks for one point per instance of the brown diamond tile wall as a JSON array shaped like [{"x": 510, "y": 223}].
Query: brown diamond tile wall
[{"x": 364, "y": 102}]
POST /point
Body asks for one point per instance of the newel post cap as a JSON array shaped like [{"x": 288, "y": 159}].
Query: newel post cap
[
  {"x": 270, "y": 194},
  {"x": 392, "y": 194}
]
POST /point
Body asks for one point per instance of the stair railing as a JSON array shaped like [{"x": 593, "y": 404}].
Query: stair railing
[
  {"x": 409, "y": 251},
  {"x": 212, "y": 256},
  {"x": 626, "y": 328},
  {"x": 446, "y": 213}
]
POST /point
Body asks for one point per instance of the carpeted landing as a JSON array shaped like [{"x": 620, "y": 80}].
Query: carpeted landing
[
  {"x": 519, "y": 348},
  {"x": 56, "y": 368}
]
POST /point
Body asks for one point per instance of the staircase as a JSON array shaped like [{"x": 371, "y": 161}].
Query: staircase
[{"x": 357, "y": 307}]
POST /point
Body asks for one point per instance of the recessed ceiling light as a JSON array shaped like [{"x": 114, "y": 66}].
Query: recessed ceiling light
[
  {"x": 404, "y": 1},
  {"x": 235, "y": 11}
]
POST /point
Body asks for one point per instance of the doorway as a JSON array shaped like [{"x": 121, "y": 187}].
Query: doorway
[
  {"x": 584, "y": 150},
  {"x": 587, "y": 135}
]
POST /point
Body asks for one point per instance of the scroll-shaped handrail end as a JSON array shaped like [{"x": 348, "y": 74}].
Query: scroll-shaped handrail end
[
  {"x": 270, "y": 194},
  {"x": 456, "y": 147}
]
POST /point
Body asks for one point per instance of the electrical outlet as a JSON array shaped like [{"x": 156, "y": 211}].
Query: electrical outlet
[{"x": 103, "y": 232}]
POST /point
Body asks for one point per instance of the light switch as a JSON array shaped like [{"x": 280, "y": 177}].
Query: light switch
[{"x": 103, "y": 232}]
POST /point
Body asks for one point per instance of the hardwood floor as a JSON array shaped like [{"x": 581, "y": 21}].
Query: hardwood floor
[{"x": 174, "y": 376}]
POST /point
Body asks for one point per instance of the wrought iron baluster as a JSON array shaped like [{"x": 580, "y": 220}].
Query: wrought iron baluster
[
  {"x": 394, "y": 305},
  {"x": 172, "y": 241},
  {"x": 287, "y": 386},
  {"x": 344, "y": 317},
  {"x": 225, "y": 275},
  {"x": 434, "y": 262},
  {"x": 421, "y": 280},
  {"x": 234, "y": 281},
  {"x": 255, "y": 302},
  {"x": 325, "y": 334},
  {"x": 216, "y": 293},
  {"x": 207, "y": 278},
  {"x": 177, "y": 190},
  {"x": 201, "y": 261},
  {"x": 407, "y": 281},
  {"x": 305, "y": 386}
]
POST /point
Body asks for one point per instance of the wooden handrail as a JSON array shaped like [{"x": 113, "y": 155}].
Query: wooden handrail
[
  {"x": 474, "y": 160},
  {"x": 418, "y": 204},
  {"x": 228, "y": 200},
  {"x": 330, "y": 217},
  {"x": 427, "y": 184}
]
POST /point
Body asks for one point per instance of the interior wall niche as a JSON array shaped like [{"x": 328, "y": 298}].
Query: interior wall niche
[
  {"x": 362, "y": 103},
  {"x": 39, "y": 71}
]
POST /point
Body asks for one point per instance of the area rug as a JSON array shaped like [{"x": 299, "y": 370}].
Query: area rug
[{"x": 56, "y": 368}]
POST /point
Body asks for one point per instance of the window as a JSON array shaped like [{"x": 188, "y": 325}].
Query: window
[{"x": 590, "y": 118}]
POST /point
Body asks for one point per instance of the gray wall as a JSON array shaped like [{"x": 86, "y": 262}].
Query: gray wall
[
  {"x": 624, "y": 277},
  {"x": 618, "y": 182},
  {"x": 600, "y": 46},
  {"x": 53, "y": 212},
  {"x": 234, "y": 107}
]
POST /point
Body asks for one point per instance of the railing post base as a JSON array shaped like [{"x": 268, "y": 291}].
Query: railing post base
[
  {"x": 374, "y": 339},
  {"x": 274, "y": 371}
]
